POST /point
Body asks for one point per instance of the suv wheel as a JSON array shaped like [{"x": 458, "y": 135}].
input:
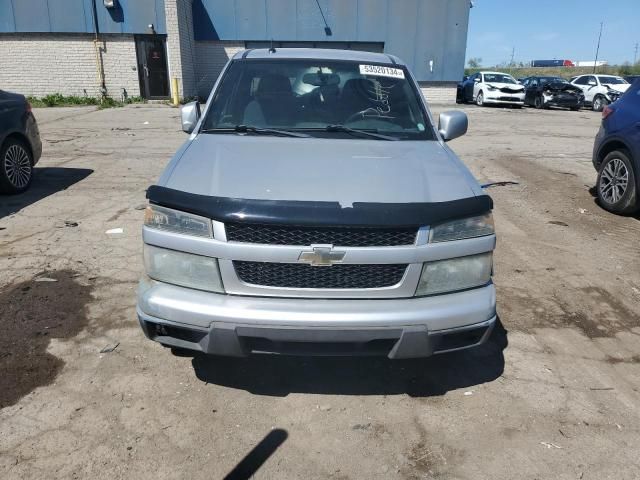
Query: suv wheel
[
  {"x": 538, "y": 102},
  {"x": 617, "y": 183},
  {"x": 599, "y": 103},
  {"x": 16, "y": 166},
  {"x": 480, "y": 99}
]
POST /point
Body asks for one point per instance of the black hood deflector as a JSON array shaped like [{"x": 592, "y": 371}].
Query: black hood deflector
[{"x": 279, "y": 212}]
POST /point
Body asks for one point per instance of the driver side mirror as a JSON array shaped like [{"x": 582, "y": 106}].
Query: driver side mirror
[
  {"x": 190, "y": 114},
  {"x": 592, "y": 83},
  {"x": 452, "y": 124},
  {"x": 477, "y": 79}
]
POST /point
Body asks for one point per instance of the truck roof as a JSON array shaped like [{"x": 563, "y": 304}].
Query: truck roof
[{"x": 321, "y": 54}]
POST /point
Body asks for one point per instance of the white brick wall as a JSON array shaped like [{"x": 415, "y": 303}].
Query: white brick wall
[
  {"x": 439, "y": 94},
  {"x": 181, "y": 45},
  {"x": 211, "y": 57},
  {"x": 42, "y": 64}
]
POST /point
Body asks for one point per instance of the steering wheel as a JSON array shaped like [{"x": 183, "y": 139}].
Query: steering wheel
[{"x": 362, "y": 114}]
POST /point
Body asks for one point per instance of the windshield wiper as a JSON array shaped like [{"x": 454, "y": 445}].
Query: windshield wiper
[
  {"x": 258, "y": 130},
  {"x": 355, "y": 132}
]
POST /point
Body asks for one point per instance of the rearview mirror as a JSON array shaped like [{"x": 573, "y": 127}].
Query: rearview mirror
[
  {"x": 190, "y": 114},
  {"x": 452, "y": 124},
  {"x": 321, "y": 79}
]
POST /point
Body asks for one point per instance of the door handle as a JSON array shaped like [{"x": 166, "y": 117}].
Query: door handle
[{"x": 146, "y": 70}]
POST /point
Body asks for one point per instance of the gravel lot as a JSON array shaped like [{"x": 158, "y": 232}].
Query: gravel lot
[{"x": 553, "y": 395}]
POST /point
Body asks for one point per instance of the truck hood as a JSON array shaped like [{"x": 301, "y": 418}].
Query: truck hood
[
  {"x": 314, "y": 169},
  {"x": 507, "y": 86}
]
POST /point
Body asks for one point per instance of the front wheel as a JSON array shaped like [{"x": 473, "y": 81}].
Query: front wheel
[
  {"x": 599, "y": 103},
  {"x": 538, "y": 103},
  {"x": 16, "y": 166},
  {"x": 617, "y": 183},
  {"x": 480, "y": 99}
]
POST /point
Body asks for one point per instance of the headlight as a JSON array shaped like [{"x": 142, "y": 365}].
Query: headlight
[
  {"x": 455, "y": 274},
  {"x": 170, "y": 220},
  {"x": 491, "y": 87},
  {"x": 471, "y": 227},
  {"x": 183, "y": 269}
]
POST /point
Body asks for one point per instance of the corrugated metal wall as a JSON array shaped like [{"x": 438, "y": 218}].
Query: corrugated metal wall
[
  {"x": 76, "y": 16},
  {"x": 418, "y": 31}
]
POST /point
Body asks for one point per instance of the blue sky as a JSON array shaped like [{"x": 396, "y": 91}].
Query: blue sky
[{"x": 548, "y": 29}]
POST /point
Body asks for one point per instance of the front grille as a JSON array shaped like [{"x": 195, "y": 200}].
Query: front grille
[
  {"x": 510, "y": 90},
  {"x": 301, "y": 235},
  {"x": 510, "y": 99},
  {"x": 298, "y": 275}
]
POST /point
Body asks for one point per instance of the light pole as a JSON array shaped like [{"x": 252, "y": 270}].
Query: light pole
[{"x": 595, "y": 64}]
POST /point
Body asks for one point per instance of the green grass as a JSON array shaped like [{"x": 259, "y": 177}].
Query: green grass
[
  {"x": 59, "y": 100},
  {"x": 565, "y": 72}
]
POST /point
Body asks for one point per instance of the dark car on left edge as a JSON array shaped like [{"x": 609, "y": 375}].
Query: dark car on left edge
[
  {"x": 545, "y": 92},
  {"x": 616, "y": 154},
  {"x": 20, "y": 145}
]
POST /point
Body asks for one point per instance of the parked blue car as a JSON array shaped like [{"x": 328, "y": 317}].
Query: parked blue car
[
  {"x": 616, "y": 154},
  {"x": 20, "y": 145}
]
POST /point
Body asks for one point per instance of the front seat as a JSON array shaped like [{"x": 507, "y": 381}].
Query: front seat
[
  {"x": 358, "y": 94},
  {"x": 273, "y": 104}
]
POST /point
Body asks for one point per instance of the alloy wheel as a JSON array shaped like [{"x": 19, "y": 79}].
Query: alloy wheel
[
  {"x": 614, "y": 181},
  {"x": 598, "y": 104},
  {"x": 17, "y": 166}
]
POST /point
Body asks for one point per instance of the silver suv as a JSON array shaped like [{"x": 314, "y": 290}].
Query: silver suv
[{"x": 316, "y": 209}]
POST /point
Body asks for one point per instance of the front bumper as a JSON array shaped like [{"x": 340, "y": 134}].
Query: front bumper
[
  {"x": 33, "y": 134},
  {"x": 239, "y": 325},
  {"x": 505, "y": 99}
]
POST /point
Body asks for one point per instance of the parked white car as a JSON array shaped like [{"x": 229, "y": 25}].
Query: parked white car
[
  {"x": 600, "y": 90},
  {"x": 492, "y": 88}
]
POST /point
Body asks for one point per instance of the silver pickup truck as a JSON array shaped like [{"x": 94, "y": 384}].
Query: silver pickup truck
[{"x": 316, "y": 209}]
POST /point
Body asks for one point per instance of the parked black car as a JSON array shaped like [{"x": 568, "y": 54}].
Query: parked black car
[
  {"x": 545, "y": 92},
  {"x": 616, "y": 154},
  {"x": 20, "y": 145},
  {"x": 460, "y": 90}
]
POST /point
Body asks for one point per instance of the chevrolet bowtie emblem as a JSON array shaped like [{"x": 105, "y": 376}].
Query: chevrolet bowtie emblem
[{"x": 321, "y": 256}]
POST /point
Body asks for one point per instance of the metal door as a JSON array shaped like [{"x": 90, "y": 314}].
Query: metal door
[{"x": 152, "y": 66}]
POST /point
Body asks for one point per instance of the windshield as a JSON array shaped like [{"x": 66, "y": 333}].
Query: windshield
[
  {"x": 499, "y": 78},
  {"x": 315, "y": 96},
  {"x": 544, "y": 80},
  {"x": 613, "y": 80}
]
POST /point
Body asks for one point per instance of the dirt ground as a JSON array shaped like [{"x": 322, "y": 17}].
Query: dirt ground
[{"x": 83, "y": 394}]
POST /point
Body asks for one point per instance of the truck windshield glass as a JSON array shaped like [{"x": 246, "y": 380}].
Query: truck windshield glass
[
  {"x": 545, "y": 80},
  {"x": 613, "y": 80},
  {"x": 316, "y": 96},
  {"x": 498, "y": 78}
]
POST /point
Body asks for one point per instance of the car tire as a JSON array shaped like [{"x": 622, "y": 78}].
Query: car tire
[
  {"x": 16, "y": 166},
  {"x": 480, "y": 99},
  {"x": 538, "y": 103},
  {"x": 599, "y": 103},
  {"x": 617, "y": 187}
]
